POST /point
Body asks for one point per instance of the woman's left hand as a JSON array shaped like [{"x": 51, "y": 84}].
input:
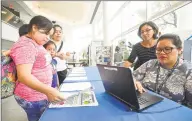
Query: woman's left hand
[{"x": 139, "y": 87}]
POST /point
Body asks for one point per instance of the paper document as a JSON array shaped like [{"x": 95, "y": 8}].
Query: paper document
[
  {"x": 78, "y": 68},
  {"x": 76, "y": 74},
  {"x": 76, "y": 81},
  {"x": 75, "y": 86},
  {"x": 82, "y": 98},
  {"x": 78, "y": 71},
  {"x": 76, "y": 78}
]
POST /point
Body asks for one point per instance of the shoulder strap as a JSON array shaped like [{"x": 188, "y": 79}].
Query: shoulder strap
[
  {"x": 60, "y": 46},
  {"x": 188, "y": 73}
]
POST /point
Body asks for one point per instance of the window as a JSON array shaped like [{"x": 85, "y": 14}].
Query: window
[
  {"x": 133, "y": 14},
  {"x": 155, "y": 7},
  {"x": 179, "y": 21}
]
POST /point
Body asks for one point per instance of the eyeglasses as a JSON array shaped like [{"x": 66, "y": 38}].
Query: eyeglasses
[
  {"x": 166, "y": 50},
  {"x": 147, "y": 31}
]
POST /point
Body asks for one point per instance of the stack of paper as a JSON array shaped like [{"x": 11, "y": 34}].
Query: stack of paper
[
  {"x": 76, "y": 75},
  {"x": 78, "y": 70},
  {"x": 75, "y": 86},
  {"x": 76, "y": 78},
  {"x": 76, "y": 94},
  {"x": 82, "y": 98}
]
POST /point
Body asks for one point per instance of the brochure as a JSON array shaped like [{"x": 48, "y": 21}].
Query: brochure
[{"x": 77, "y": 99}]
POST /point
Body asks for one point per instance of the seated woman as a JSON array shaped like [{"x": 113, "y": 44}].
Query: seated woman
[{"x": 167, "y": 75}]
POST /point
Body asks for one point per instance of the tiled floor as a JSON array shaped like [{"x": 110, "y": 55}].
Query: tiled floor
[{"x": 11, "y": 111}]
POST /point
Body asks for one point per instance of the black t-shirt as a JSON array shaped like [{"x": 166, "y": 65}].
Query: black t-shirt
[{"x": 143, "y": 54}]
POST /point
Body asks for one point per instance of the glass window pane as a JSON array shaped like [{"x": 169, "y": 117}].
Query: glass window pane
[
  {"x": 114, "y": 28},
  {"x": 155, "y": 7},
  {"x": 113, "y": 7},
  {"x": 133, "y": 14},
  {"x": 132, "y": 38},
  {"x": 98, "y": 23},
  {"x": 179, "y": 21}
]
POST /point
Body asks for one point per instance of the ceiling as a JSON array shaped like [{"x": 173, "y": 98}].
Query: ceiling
[{"x": 67, "y": 12}]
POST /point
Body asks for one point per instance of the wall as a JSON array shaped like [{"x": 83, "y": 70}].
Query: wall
[
  {"x": 6, "y": 44},
  {"x": 25, "y": 17},
  {"x": 9, "y": 33}
]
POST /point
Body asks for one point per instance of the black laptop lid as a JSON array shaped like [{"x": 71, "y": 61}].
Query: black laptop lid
[{"x": 118, "y": 81}]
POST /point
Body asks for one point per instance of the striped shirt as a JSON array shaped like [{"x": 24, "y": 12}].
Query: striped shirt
[{"x": 142, "y": 53}]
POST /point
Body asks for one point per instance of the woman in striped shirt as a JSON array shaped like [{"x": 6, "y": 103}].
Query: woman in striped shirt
[{"x": 144, "y": 50}]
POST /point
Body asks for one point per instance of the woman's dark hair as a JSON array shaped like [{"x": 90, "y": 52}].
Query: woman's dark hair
[
  {"x": 50, "y": 43},
  {"x": 41, "y": 22},
  {"x": 23, "y": 30},
  {"x": 175, "y": 39},
  {"x": 152, "y": 25},
  {"x": 54, "y": 27}
]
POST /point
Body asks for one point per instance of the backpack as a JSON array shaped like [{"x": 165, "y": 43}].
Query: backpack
[{"x": 8, "y": 76}]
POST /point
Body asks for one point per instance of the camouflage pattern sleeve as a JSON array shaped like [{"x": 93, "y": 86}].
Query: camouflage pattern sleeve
[
  {"x": 188, "y": 91},
  {"x": 140, "y": 72}
]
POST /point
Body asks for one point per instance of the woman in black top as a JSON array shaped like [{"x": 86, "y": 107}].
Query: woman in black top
[{"x": 144, "y": 50}]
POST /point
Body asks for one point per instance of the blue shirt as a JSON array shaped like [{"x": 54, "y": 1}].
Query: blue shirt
[{"x": 54, "y": 80}]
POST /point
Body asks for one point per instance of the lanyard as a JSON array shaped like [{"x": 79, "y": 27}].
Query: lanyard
[{"x": 168, "y": 75}]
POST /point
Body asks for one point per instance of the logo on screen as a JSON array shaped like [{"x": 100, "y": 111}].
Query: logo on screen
[{"x": 109, "y": 68}]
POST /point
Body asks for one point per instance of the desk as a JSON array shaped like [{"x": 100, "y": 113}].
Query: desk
[
  {"x": 92, "y": 73},
  {"x": 111, "y": 109}
]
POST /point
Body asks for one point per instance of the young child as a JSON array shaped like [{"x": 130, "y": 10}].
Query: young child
[{"x": 51, "y": 48}]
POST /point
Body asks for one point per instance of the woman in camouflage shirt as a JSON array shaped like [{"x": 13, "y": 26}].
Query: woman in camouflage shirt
[{"x": 167, "y": 75}]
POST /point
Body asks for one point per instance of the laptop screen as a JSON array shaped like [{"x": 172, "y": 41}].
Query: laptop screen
[{"x": 118, "y": 81}]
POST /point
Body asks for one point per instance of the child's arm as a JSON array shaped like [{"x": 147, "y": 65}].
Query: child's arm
[{"x": 25, "y": 77}]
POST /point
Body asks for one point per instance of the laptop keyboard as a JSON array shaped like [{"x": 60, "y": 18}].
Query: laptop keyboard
[{"x": 142, "y": 100}]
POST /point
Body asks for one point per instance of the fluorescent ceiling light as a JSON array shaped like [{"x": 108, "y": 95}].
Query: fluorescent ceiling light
[{"x": 3, "y": 12}]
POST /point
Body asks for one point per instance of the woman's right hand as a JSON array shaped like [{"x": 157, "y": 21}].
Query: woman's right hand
[
  {"x": 54, "y": 96},
  {"x": 139, "y": 87},
  {"x": 127, "y": 64}
]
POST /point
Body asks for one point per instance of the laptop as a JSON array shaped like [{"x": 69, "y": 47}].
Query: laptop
[{"x": 118, "y": 82}]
